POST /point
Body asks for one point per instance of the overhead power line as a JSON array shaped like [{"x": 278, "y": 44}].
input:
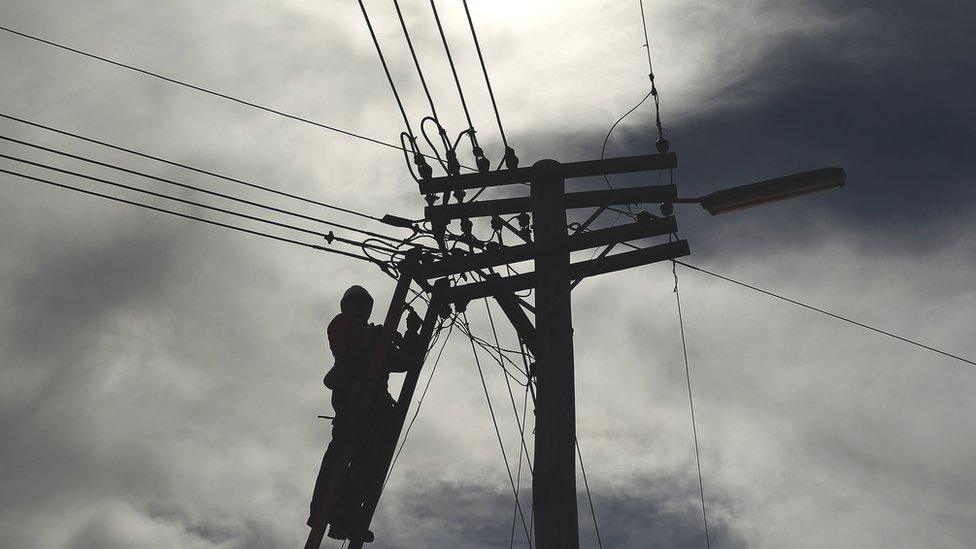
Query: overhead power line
[
  {"x": 198, "y": 189},
  {"x": 328, "y": 237},
  {"x": 828, "y": 313},
  {"x": 202, "y": 89},
  {"x": 484, "y": 69},
  {"x": 187, "y": 216},
  {"x": 191, "y": 168},
  {"x": 691, "y": 403}
]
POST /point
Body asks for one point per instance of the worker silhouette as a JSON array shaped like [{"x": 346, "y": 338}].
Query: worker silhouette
[{"x": 352, "y": 341}]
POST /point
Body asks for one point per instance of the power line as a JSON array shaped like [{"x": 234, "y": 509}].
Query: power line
[
  {"x": 511, "y": 395},
  {"x": 509, "y": 152},
  {"x": 201, "y": 89},
  {"x": 589, "y": 499},
  {"x": 199, "y": 189},
  {"x": 420, "y": 402},
  {"x": 497, "y": 431},
  {"x": 603, "y": 150},
  {"x": 389, "y": 77},
  {"x": 691, "y": 403},
  {"x": 187, "y": 216},
  {"x": 328, "y": 237},
  {"x": 662, "y": 143},
  {"x": 191, "y": 168},
  {"x": 450, "y": 60},
  {"x": 828, "y": 313}
]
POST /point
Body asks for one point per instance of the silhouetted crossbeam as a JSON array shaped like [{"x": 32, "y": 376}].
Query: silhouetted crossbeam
[
  {"x": 586, "y": 168},
  {"x": 584, "y": 199},
  {"x": 525, "y": 252},
  {"x": 468, "y": 292}
]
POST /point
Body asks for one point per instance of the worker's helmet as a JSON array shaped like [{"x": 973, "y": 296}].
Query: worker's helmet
[{"x": 356, "y": 294}]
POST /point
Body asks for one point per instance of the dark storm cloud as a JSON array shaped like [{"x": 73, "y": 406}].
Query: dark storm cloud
[
  {"x": 651, "y": 513},
  {"x": 887, "y": 96},
  {"x": 159, "y": 388}
]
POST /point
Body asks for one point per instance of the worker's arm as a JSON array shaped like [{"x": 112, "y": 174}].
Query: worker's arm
[{"x": 405, "y": 348}]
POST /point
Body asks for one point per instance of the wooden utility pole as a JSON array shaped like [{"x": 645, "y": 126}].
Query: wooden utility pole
[
  {"x": 554, "y": 479},
  {"x": 551, "y": 339}
]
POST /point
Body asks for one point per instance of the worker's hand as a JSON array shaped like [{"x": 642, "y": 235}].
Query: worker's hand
[{"x": 414, "y": 321}]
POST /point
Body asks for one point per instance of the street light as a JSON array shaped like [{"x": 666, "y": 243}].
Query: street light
[{"x": 772, "y": 190}]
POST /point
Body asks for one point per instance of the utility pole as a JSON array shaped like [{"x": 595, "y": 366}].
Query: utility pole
[
  {"x": 554, "y": 479},
  {"x": 549, "y": 244}
]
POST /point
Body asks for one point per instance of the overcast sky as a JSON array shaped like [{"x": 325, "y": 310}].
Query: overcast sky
[{"x": 160, "y": 378}]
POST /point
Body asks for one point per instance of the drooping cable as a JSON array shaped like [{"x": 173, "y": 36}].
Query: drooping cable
[
  {"x": 198, "y": 189},
  {"x": 603, "y": 150},
  {"x": 498, "y": 433},
  {"x": 328, "y": 237},
  {"x": 828, "y": 313},
  {"x": 185, "y": 216},
  {"x": 691, "y": 402},
  {"x": 199, "y": 88},
  {"x": 191, "y": 168},
  {"x": 510, "y": 160},
  {"x": 589, "y": 498}
]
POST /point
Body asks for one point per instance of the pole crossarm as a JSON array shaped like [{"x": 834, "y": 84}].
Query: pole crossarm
[
  {"x": 497, "y": 284},
  {"x": 525, "y": 252},
  {"x": 584, "y": 199},
  {"x": 586, "y": 168}
]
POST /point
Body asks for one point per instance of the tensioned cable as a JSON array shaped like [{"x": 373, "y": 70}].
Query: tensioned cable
[
  {"x": 201, "y": 89},
  {"x": 327, "y": 237},
  {"x": 498, "y": 433},
  {"x": 518, "y": 474},
  {"x": 420, "y": 403},
  {"x": 191, "y": 168},
  {"x": 413, "y": 54},
  {"x": 199, "y": 189},
  {"x": 830, "y": 314},
  {"x": 457, "y": 79},
  {"x": 186, "y": 216},
  {"x": 650, "y": 75},
  {"x": 386, "y": 69},
  {"x": 484, "y": 69},
  {"x": 511, "y": 395},
  {"x": 589, "y": 499},
  {"x": 691, "y": 402}
]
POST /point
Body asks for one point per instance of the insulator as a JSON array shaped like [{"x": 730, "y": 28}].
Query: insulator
[
  {"x": 523, "y": 221},
  {"x": 667, "y": 208},
  {"x": 422, "y": 166},
  {"x": 431, "y": 199},
  {"x": 496, "y": 223},
  {"x": 663, "y": 145},
  {"x": 453, "y": 166},
  {"x": 484, "y": 165},
  {"x": 511, "y": 161},
  {"x": 459, "y": 195},
  {"x": 466, "y": 225},
  {"x": 643, "y": 216}
]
